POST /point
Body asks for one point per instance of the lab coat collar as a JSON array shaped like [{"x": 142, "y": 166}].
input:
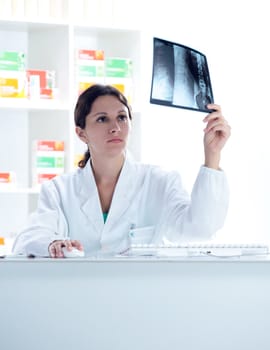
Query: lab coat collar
[
  {"x": 88, "y": 196},
  {"x": 124, "y": 190}
]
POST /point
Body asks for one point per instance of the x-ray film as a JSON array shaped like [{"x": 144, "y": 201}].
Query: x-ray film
[{"x": 180, "y": 77}]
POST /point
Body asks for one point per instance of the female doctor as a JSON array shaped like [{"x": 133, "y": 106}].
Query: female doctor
[{"x": 111, "y": 199}]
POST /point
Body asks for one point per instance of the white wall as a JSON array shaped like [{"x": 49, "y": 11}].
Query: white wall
[{"x": 234, "y": 37}]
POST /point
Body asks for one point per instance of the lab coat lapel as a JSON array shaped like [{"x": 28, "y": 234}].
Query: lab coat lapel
[
  {"x": 123, "y": 193},
  {"x": 89, "y": 199}
]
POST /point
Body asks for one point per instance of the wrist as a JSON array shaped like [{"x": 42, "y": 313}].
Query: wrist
[{"x": 212, "y": 161}]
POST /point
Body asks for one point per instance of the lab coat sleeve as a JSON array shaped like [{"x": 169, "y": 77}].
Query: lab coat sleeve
[
  {"x": 45, "y": 225},
  {"x": 206, "y": 211}
]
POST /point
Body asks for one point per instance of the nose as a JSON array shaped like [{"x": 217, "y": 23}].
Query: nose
[{"x": 115, "y": 127}]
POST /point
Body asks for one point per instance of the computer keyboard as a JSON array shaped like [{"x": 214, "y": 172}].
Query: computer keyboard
[{"x": 219, "y": 250}]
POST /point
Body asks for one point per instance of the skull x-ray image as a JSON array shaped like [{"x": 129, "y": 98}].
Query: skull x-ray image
[{"x": 180, "y": 77}]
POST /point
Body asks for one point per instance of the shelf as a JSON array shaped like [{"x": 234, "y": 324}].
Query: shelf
[
  {"x": 84, "y": 29},
  {"x": 29, "y": 105},
  {"x": 15, "y": 190},
  {"x": 17, "y": 24}
]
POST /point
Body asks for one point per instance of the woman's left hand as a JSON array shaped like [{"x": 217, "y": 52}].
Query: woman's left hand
[{"x": 216, "y": 134}]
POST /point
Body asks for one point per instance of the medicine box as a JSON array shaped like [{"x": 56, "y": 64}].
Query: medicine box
[
  {"x": 40, "y": 83},
  {"x": 7, "y": 179},
  {"x": 12, "y": 84},
  {"x": 12, "y": 60}
]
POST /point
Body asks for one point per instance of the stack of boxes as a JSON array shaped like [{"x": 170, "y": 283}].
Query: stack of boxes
[
  {"x": 118, "y": 72},
  {"x": 89, "y": 68},
  {"x": 48, "y": 160},
  {"x": 12, "y": 74},
  {"x": 92, "y": 66}
]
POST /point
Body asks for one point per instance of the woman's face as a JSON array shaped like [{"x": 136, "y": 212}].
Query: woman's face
[{"x": 107, "y": 127}]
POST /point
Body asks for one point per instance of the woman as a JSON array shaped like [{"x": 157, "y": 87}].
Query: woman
[{"x": 111, "y": 200}]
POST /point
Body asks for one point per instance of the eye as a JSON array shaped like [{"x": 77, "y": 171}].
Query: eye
[
  {"x": 122, "y": 117},
  {"x": 101, "y": 119}
]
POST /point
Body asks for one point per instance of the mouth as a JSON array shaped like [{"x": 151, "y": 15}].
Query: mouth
[{"x": 116, "y": 140}]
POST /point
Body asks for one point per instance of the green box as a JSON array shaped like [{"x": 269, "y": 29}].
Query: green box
[
  {"x": 118, "y": 67},
  {"x": 12, "y": 60},
  {"x": 50, "y": 162},
  {"x": 90, "y": 71}
]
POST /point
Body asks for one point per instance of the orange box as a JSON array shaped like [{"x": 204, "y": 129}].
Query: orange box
[
  {"x": 48, "y": 145},
  {"x": 40, "y": 83},
  {"x": 7, "y": 177},
  {"x": 83, "y": 54}
]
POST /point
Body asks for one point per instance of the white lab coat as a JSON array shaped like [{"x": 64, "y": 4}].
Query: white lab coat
[{"x": 148, "y": 202}]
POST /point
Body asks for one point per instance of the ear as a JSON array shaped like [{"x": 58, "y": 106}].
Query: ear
[{"x": 81, "y": 134}]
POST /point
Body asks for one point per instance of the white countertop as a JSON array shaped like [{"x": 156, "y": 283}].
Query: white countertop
[{"x": 150, "y": 259}]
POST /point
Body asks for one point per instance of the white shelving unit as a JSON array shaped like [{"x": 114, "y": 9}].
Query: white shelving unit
[{"x": 50, "y": 45}]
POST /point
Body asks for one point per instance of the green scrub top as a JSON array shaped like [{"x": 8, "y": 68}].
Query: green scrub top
[{"x": 105, "y": 216}]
